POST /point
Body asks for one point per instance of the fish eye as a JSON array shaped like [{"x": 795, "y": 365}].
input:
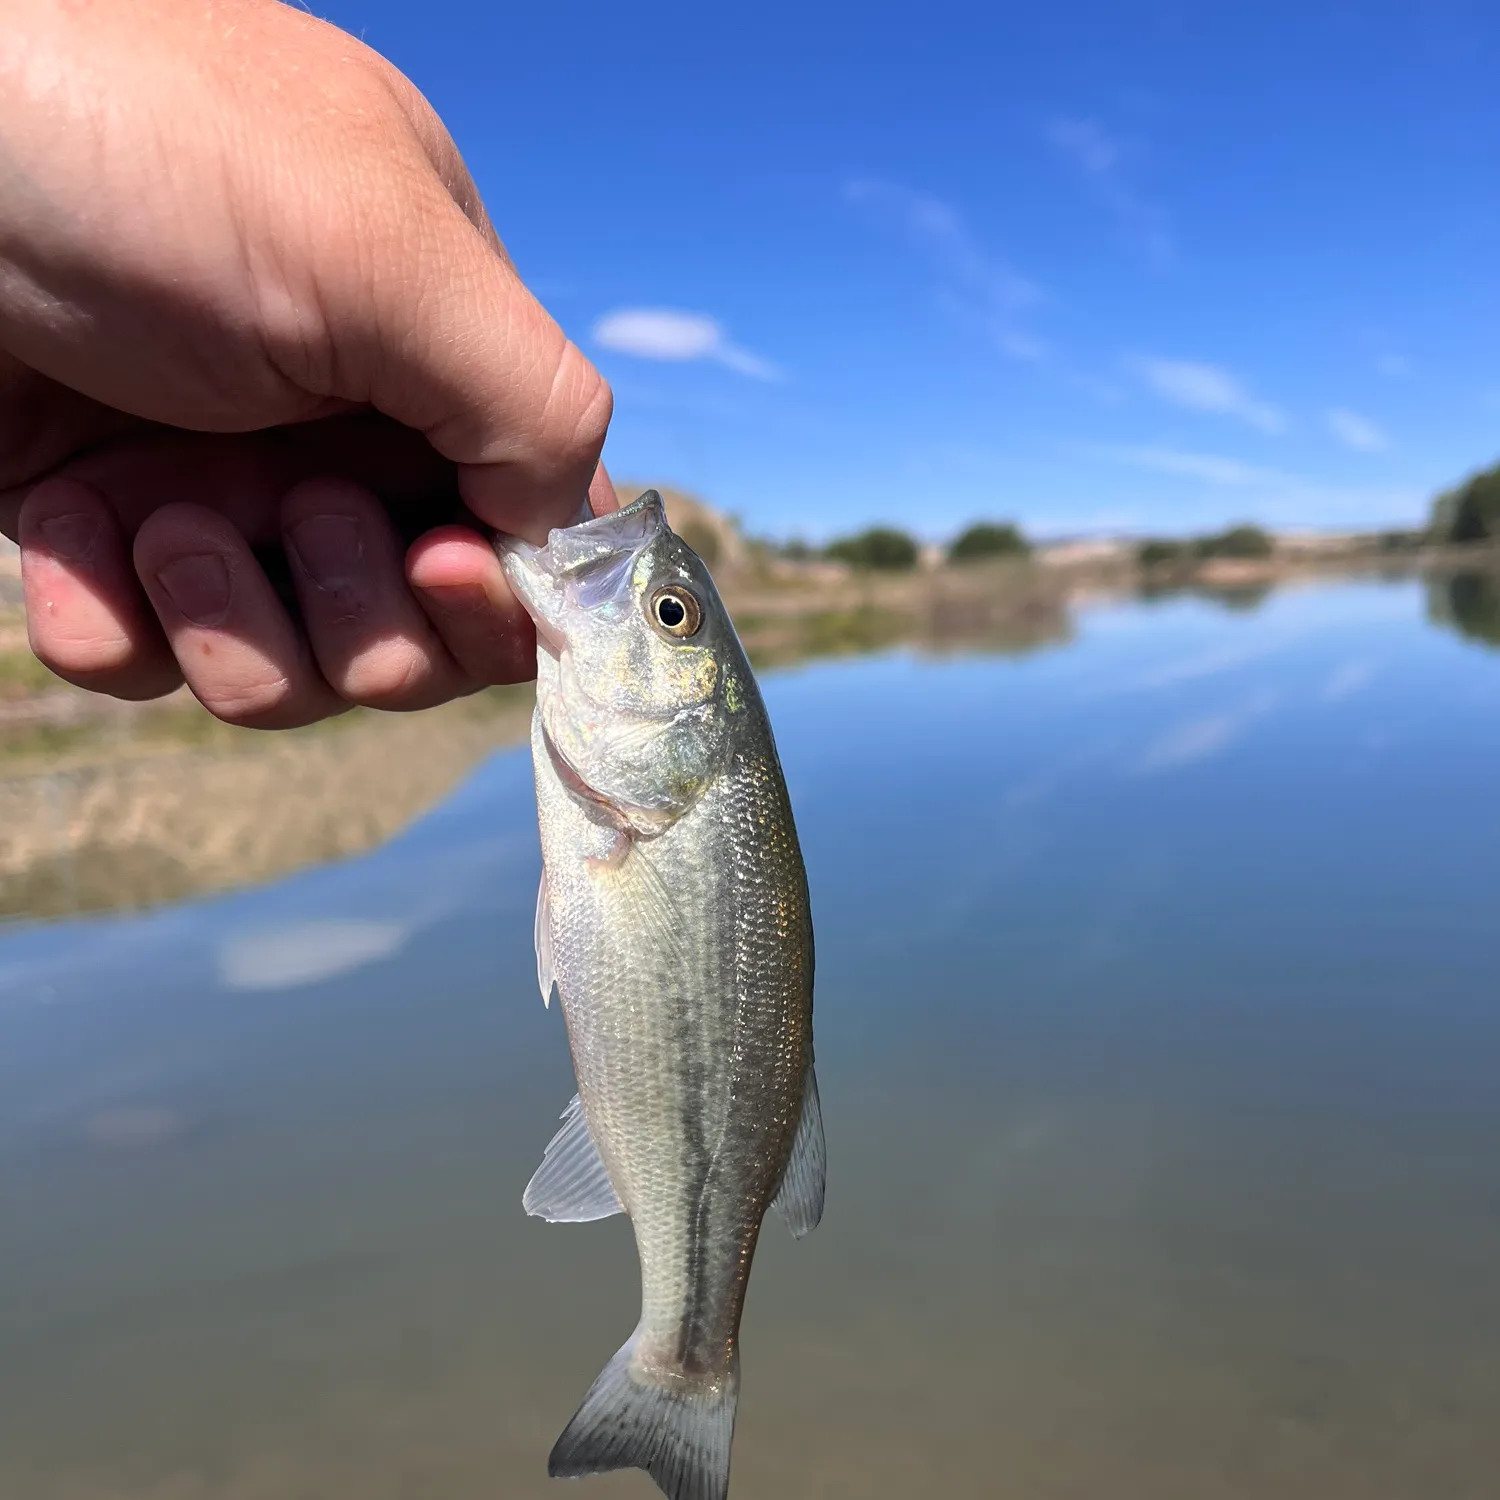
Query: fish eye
[{"x": 676, "y": 611}]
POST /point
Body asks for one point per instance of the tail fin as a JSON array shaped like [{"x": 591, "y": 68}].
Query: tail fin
[{"x": 679, "y": 1434}]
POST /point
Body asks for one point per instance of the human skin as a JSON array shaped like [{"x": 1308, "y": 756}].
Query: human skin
[{"x": 260, "y": 347}]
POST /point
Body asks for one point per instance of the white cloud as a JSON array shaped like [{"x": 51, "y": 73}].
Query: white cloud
[
  {"x": 1209, "y": 467},
  {"x": 298, "y": 953},
  {"x": 1355, "y": 431},
  {"x": 665, "y": 333},
  {"x": 1200, "y": 739},
  {"x": 1210, "y": 388},
  {"x": 1272, "y": 496},
  {"x": 975, "y": 285},
  {"x": 1104, "y": 161},
  {"x": 1085, "y": 144}
]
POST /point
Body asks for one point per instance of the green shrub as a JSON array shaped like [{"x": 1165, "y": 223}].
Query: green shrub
[
  {"x": 1238, "y": 541},
  {"x": 987, "y": 539},
  {"x": 1399, "y": 541},
  {"x": 880, "y": 547},
  {"x": 1471, "y": 512},
  {"x": 1157, "y": 552}
]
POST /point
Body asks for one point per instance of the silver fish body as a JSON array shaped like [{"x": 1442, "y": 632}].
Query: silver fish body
[{"x": 674, "y": 922}]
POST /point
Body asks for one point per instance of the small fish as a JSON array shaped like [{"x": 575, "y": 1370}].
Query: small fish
[{"x": 673, "y": 920}]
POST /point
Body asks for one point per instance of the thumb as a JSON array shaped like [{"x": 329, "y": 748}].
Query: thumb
[{"x": 439, "y": 333}]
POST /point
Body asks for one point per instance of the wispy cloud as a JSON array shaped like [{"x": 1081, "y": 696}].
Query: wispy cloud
[
  {"x": 975, "y": 285},
  {"x": 664, "y": 333},
  {"x": 1209, "y": 388},
  {"x": 1105, "y": 162},
  {"x": 1199, "y": 739},
  {"x": 1355, "y": 431},
  {"x": 1271, "y": 495},
  {"x": 1212, "y": 468}
]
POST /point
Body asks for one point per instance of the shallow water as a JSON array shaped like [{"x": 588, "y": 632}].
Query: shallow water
[{"x": 1158, "y": 1037}]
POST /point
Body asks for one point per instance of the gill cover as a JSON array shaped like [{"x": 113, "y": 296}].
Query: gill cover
[{"x": 634, "y": 714}]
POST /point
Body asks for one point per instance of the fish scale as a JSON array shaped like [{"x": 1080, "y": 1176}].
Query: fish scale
[{"x": 674, "y": 922}]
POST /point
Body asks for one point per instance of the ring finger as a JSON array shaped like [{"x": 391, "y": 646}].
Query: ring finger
[{"x": 231, "y": 635}]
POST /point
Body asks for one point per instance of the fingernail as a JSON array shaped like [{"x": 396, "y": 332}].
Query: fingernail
[
  {"x": 198, "y": 587},
  {"x": 70, "y": 537},
  {"x": 329, "y": 549}
]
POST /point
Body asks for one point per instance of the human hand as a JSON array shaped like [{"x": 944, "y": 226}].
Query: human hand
[{"x": 255, "y": 323}]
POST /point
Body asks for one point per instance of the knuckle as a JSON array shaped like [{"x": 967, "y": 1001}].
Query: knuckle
[{"x": 579, "y": 406}]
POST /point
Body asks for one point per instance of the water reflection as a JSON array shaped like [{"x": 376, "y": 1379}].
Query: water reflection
[
  {"x": 108, "y": 810},
  {"x": 1244, "y": 598},
  {"x": 173, "y": 804},
  {"x": 1158, "y": 1064},
  {"x": 1468, "y": 603}
]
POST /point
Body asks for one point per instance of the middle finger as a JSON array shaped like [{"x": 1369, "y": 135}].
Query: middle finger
[{"x": 374, "y": 643}]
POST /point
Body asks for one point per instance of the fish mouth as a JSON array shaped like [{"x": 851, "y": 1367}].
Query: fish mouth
[
  {"x": 586, "y": 565},
  {"x": 587, "y": 543}
]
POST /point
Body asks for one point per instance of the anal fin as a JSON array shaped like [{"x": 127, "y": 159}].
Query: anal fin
[{"x": 799, "y": 1200}]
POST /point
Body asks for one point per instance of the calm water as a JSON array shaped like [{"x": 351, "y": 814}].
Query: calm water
[{"x": 1160, "y": 1046}]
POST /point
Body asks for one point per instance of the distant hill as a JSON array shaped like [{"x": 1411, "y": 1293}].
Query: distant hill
[{"x": 709, "y": 532}]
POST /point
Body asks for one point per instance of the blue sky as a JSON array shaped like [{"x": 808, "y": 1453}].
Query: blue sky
[{"x": 1095, "y": 266}]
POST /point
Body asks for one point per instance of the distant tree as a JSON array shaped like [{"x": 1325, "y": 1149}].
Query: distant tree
[
  {"x": 1471, "y": 511},
  {"x": 1157, "y": 552},
  {"x": 880, "y": 547},
  {"x": 1239, "y": 541},
  {"x": 1399, "y": 541},
  {"x": 796, "y": 550},
  {"x": 987, "y": 539}
]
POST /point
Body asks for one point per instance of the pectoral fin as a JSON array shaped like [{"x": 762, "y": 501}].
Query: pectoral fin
[
  {"x": 571, "y": 1186},
  {"x": 799, "y": 1200}
]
